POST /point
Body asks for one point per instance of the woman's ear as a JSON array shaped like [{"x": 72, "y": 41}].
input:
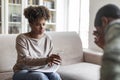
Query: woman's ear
[{"x": 105, "y": 21}]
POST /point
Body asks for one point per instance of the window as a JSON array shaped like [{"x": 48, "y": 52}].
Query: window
[
  {"x": 84, "y": 22},
  {"x": 78, "y": 19}
]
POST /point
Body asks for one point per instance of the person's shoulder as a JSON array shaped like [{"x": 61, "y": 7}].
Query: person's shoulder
[
  {"x": 116, "y": 21},
  {"x": 115, "y": 24},
  {"x": 21, "y": 36}
]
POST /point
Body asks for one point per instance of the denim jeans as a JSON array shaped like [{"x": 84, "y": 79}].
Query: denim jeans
[{"x": 34, "y": 75}]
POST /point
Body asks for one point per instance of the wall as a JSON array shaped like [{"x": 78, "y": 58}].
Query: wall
[{"x": 94, "y": 6}]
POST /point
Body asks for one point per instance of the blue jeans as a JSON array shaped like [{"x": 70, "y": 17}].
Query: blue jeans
[{"x": 34, "y": 75}]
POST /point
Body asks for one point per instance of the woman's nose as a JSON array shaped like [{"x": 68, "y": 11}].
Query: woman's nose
[{"x": 41, "y": 26}]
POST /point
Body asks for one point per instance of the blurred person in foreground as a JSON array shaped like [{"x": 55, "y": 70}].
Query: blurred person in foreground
[{"x": 107, "y": 37}]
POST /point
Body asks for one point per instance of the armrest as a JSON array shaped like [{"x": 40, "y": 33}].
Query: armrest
[{"x": 92, "y": 56}]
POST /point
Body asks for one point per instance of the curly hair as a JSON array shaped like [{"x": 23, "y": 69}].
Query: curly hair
[{"x": 34, "y": 13}]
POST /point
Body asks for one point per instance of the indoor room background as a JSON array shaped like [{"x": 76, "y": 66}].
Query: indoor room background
[{"x": 66, "y": 15}]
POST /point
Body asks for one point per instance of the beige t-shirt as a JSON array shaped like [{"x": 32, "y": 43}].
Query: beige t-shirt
[{"x": 32, "y": 53}]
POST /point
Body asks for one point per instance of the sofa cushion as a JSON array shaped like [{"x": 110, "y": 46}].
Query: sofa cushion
[
  {"x": 80, "y": 71},
  {"x": 6, "y": 76}
]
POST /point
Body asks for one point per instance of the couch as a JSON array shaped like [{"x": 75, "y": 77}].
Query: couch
[{"x": 77, "y": 63}]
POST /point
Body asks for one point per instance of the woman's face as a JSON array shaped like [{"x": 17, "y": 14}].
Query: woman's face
[{"x": 38, "y": 27}]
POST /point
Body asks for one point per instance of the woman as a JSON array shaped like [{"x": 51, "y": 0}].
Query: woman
[{"x": 35, "y": 48}]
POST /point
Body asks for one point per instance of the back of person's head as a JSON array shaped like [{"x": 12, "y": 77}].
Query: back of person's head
[
  {"x": 109, "y": 11},
  {"x": 34, "y": 13}
]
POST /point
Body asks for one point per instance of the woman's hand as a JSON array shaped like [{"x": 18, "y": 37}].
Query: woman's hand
[{"x": 53, "y": 59}]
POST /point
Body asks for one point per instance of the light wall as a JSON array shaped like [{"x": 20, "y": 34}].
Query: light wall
[{"x": 94, "y": 6}]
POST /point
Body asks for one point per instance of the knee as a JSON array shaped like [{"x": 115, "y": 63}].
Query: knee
[
  {"x": 54, "y": 76},
  {"x": 37, "y": 76},
  {"x": 20, "y": 75}
]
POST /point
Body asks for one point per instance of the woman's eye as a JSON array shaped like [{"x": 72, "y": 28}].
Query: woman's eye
[{"x": 43, "y": 24}]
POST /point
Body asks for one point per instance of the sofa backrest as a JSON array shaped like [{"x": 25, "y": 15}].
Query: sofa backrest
[
  {"x": 67, "y": 42},
  {"x": 70, "y": 44},
  {"x": 7, "y": 52}
]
